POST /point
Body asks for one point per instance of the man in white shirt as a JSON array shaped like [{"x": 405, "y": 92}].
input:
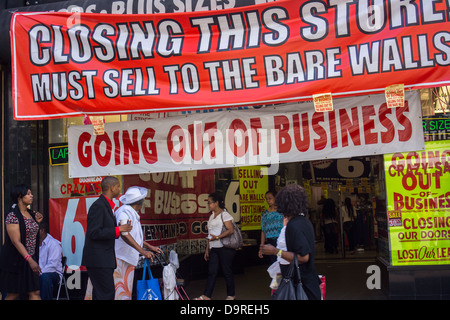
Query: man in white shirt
[{"x": 50, "y": 254}]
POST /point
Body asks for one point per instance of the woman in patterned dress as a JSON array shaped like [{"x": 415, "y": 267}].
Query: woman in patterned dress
[{"x": 19, "y": 267}]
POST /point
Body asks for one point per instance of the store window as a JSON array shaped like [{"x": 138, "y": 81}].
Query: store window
[
  {"x": 435, "y": 101},
  {"x": 69, "y": 199},
  {"x": 61, "y": 185},
  {"x": 176, "y": 212}
]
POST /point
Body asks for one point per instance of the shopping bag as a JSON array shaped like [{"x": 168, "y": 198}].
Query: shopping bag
[
  {"x": 148, "y": 289},
  {"x": 323, "y": 286},
  {"x": 289, "y": 288}
]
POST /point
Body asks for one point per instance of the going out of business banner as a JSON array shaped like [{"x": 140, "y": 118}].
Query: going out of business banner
[
  {"x": 418, "y": 196},
  {"x": 357, "y": 126},
  {"x": 69, "y": 64}
]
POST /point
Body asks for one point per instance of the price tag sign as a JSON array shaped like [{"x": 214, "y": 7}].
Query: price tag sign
[
  {"x": 99, "y": 124},
  {"x": 395, "y": 96},
  {"x": 323, "y": 102}
]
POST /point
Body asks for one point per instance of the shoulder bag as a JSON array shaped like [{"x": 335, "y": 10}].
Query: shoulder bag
[
  {"x": 288, "y": 289},
  {"x": 234, "y": 240}
]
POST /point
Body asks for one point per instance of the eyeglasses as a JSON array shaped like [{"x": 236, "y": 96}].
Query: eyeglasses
[{"x": 211, "y": 202}]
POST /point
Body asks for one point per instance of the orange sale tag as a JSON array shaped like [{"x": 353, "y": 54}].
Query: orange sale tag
[
  {"x": 395, "y": 96},
  {"x": 323, "y": 102}
]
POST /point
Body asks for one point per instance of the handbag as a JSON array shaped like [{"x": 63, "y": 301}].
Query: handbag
[
  {"x": 288, "y": 289},
  {"x": 148, "y": 289},
  {"x": 234, "y": 240}
]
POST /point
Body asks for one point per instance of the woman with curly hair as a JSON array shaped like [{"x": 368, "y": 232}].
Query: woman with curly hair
[{"x": 292, "y": 202}]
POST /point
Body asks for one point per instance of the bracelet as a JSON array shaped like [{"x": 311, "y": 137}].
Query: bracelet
[{"x": 27, "y": 257}]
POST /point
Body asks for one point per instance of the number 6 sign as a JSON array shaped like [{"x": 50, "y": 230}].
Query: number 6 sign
[{"x": 68, "y": 218}]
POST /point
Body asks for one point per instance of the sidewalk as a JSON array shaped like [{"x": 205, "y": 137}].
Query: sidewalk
[{"x": 345, "y": 279}]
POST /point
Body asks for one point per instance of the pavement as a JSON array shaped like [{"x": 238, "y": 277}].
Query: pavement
[
  {"x": 345, "y": 280},
  {"x": 346, "y": 277}
]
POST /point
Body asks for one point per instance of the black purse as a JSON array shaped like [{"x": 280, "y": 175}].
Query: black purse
[{"x": 288, "y": 288}]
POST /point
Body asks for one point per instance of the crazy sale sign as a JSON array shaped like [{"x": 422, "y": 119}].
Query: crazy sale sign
[
  {"x": 418, "y": 196},
  {"x": 67, "y": 64},
  {"x": 253, "y": 185}
]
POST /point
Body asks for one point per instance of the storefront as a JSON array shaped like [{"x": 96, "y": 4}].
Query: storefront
[{"x": 361, "y": 149}]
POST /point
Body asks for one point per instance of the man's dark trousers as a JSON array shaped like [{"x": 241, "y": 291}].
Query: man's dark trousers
[{"x": 102, "y": 282}]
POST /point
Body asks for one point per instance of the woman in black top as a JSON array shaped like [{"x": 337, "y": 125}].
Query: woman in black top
[
  {"x": 19, "y": 259},
  {"x": 292, "y": 202}
]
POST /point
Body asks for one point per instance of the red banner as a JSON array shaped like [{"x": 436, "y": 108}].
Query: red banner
[
  {"x": 176, "y": 209},
  {"x": 71, "y": 64}
]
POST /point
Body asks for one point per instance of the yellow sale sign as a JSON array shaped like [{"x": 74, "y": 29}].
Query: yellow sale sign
[
  {"x": 253, "y": 185},
  {"x": 418, "y": 198}
]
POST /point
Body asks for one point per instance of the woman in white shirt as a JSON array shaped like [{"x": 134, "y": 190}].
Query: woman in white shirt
[{"x": 216, "y": 253}]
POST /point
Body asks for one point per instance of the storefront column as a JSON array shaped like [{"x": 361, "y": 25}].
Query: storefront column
[
  {"x": 2, "y": 150},
  {"x": 16, "y": 141}
]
